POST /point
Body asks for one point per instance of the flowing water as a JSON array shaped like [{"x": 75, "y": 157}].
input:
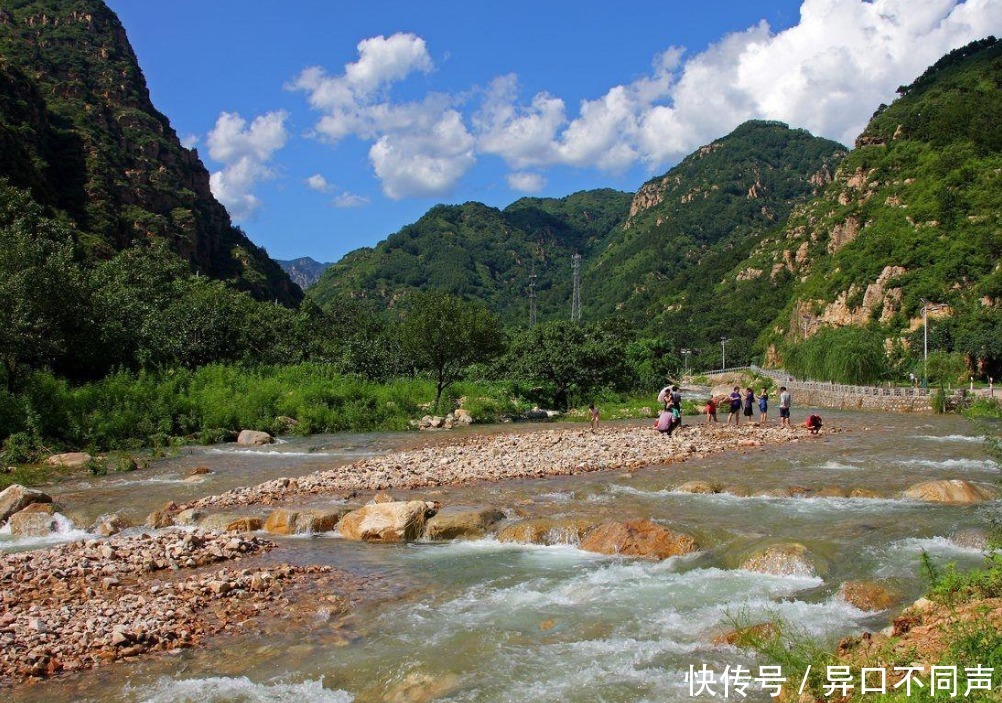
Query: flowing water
[{"x": 480, "y": 621}]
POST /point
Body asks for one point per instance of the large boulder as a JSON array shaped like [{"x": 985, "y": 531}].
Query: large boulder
[
  {"x": 868, "y": 596},
  {"x": 547, "y": 531},
  {"x": 37, "y": 520},
  {"x": 462, "y": 417},
  {"x": 164, "y": 517},
  {"x": 254, "y": 438},
  {"x": 231, "y": 522},
  {"x": 16, "y": 498},
  {"x": 789, "y": 559},
  {"x": 971, "y": 538},
  {"x": 387, "y": 522},
  {"x": 638, "y": 538},
  {"x": 302, "y": 522},
  {"x": 108, "y": 525},
  {"x": 954, "y": 491},
  {"x": 462, "y": 523},
  {"x": 70, "y": 460}
]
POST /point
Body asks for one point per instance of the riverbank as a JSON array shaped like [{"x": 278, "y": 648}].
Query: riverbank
[
  {"x": 477, "y": 458},
  {"x": 93, "y": 602}
]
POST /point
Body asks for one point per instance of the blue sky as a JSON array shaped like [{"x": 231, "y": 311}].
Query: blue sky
[{"x": 329, "y": 125}]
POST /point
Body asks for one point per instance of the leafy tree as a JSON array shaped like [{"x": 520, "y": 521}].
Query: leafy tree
[
  {"x": 41, "y": 287},
  {"x": 575, "y": 359},
  {"x": 841, "y": 354},
  {"x": 443, "y": 334}
]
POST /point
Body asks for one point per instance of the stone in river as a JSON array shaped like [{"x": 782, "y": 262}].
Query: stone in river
[
  {"x": 459, "y": 523},
  {"x": 33, "y": 521},
  {"x": 787, "y": 559},
  {"x": 70, "y": 460},
  {"x": 868, "y": 596},
  {"x": 387, "y": 522},
  {"x": 16, "y": 498},
  {"x": 955, "y": 492},
  {"x": 698, "y": 487},
  {"x": 547, "y": 531},
  {"x": 640, "y": 538},
  {"x": 254, "y": 438}
]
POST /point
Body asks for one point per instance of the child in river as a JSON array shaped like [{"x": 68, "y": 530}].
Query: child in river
[
  {"x": 763, "y": 407},
  {"x": 593, "y": 413},
  {"x": 711, "y": 410},
  {"x": 814, "y": 424}
]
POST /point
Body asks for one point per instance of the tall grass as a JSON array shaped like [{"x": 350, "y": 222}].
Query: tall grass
[{"x": 128, "y": 410}]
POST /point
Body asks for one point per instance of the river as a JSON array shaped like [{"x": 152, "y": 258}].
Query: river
[{"x": 480, "y": 621}]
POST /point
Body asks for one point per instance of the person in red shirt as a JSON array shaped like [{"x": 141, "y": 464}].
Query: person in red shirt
[{"x": 711, "y": 411}]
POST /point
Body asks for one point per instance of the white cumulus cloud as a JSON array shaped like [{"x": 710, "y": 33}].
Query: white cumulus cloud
[
  {"x": 418, "y": 148},
  {"x": 318, "y": 183},
  {"x": 347, "y": 199},
  {"x": 244, "y": 150},
  {"x": 526, "y": 181}
]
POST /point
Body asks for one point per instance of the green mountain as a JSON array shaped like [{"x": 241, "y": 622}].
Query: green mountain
[
  {"x": 78, "y": 129},
  {"x": 483, "y": 253},
  {"x": 304, "y": 271},
  {"x": 913, "y": 212},
  {"x": 670, "y": 265}
]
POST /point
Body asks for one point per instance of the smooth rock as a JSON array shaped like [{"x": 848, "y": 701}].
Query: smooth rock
[
  {"x": 164, "y": 517},
  {"x": 971, "y": 538},
  {"x": 16, "y": 498},
  {"x": 640, "y": 538},
  {"x": 108, "y": 525},
  {"x": 463, "y": 417},
  {"x": 245, "y": 524},
  {"x": 32, "y": 523},
  {"x": 299, "y": 522},
  {"x": 387, "y": 522},
  {"x": 459, "y": 523},
  {"x": 698, "y": 487},
  {"x": 200, "y": 471},
  {"x": 868, "y": 596},
  {"x": 69, "y": 460},
  {"x": 254, "y": 438},
  {"x": 788, "y": 559},
  {"x": 954, "y": 492},
  {"x": 189, "y": 517},
  {"x": 417, "y": 687},
  {"x": 547, "y": 531}
]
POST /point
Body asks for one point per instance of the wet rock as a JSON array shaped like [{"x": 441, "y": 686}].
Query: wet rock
[
  {"x": 418, "y": 687},
  {"x": 868, "y": 596},
  {"x": 383, "y": 497},
  {"x": 546, "y": 531},
  {"x": 108, "y": 525},
  {"x": 832, "y": 492},
  {"x": 33, "y": 522},
  {"x": 16, "y": 498},
  {"x": 863, "y": 493},
  {"x": 955, "y": 492},
  {"x": 295, "y": 522},
  {"x": 188, "y": 517},
  {"x": 788, "y": 559},
  {"x": 387, "y": 522},
  {"x": 748, "y": 636},
  {"x": 972, "y": 538},
  {"x": 254, "y": 438},
  {"x": 245, "y": 524},
  {"x": 698, "y": 487},
  {"x": 431, "y": 422},
  {"x": 70, "y": 460},
  {"x": 286, "y": 423},
  {"x": 164, "y": 517},
  {"x": 200, "y": 471},
  {"x": 459, "y": 523},
  {"x": 640, "y": 538}
]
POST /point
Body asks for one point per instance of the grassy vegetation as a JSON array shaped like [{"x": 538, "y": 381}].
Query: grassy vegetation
[{"x": 129, "y": 411}]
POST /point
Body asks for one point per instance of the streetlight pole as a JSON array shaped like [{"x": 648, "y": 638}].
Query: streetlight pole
[
  {"x": 806, "y": 323},
  {"x": 685, "y": 361},
  {"x": 925, "y": 342},
  {"x": 723, "y": 353}
]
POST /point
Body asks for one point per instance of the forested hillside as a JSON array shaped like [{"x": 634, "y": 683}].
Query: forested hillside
[{"x": 78, "y": 129}]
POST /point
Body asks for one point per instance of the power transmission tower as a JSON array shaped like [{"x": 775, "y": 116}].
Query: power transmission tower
[
  {"x": 576, "y": 298},
  {"x": 532, "y": 297}
]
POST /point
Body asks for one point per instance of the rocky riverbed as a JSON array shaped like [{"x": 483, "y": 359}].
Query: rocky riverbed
[
  {"x": 480, "y": 458},
  {"x": 92, "y": 602}
]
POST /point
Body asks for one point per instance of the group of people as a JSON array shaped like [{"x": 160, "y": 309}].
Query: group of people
[{"x": 738, "y": 404}]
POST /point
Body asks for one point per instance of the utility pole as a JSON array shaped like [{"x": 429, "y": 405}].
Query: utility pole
[
  {"x": 925, "y": 341},
  {"x": 532, "y": 297},
  {"x": 806, "y": 321},
  {"x": 685, "y": 358},
  {"x": 576, "y": 297},
  {"x": 723, "y": 353}
]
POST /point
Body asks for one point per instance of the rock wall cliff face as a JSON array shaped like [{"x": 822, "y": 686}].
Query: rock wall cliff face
[{"x": 77, "y": 127}]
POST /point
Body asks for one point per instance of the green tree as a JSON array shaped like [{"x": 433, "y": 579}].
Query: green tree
[
  {"x": 443, "y": 334},
  {"x": 575, "y": 359},
  {"x": 41, "y": 286}
]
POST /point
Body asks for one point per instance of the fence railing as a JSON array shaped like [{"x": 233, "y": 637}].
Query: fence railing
[{"x": 839, "y": 388}]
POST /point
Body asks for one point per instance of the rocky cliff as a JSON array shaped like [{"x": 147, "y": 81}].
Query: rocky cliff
[{"x": 78, "y": 128}]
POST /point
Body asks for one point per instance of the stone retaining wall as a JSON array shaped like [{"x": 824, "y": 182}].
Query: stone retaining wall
[{"x": 821, "y": 398}]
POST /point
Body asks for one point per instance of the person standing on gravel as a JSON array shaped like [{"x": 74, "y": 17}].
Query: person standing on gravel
[
  {"x": 784, "y": 407},
  {"x": 735, "y": 407}
]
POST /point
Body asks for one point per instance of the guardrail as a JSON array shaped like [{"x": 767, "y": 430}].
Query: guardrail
[{"x": 840, "y": 388}]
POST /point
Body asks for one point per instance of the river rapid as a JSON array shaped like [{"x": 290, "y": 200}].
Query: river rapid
[{"x": 480, "y": 621}]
